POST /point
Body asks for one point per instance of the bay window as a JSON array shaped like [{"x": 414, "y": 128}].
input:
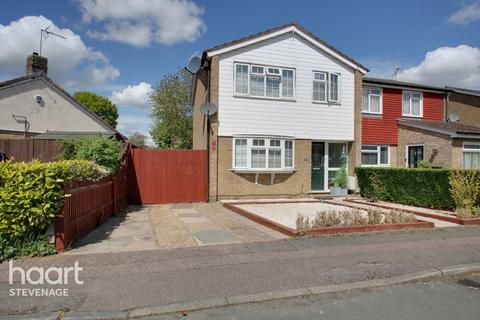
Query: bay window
[
  {"x": 375, "y": 155},
  {"x": 412, "y": 105},
  {"x": 372, "y": 100},
  {"x": 326, "y": 87},
  {"x": 471, "y": 155},
  {"x": 259, "y": 153},
  {"x": 264, "y": 81}
]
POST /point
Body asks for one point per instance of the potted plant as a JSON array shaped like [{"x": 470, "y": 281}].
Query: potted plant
[{"x": 340, "y": 181}]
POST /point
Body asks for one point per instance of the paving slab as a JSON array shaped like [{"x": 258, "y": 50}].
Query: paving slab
[{"x": 215, "y": 236}]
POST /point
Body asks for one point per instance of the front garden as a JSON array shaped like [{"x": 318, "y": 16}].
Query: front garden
[{"x": 32, "y": 194}]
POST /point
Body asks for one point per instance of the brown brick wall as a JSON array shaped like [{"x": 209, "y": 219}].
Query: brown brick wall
[
  {"x": 214, "y": 143},
  {"x": 199, "y": 121},
  {"x": 467, "y": 107},
  {"x": 355, "y": 148},
  {"x": 237, "y": 185}
]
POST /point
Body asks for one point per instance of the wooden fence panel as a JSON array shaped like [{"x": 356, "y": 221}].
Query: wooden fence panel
[
  {"x": 87, "y": 205},
  {"x": 168, "y": 176},
  {"x": 27, "y": 149}
]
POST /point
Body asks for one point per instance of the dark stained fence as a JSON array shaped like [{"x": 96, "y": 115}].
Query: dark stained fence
[
  {"x": 167, "y": 176},
  {"x": 28, "y": 149},
  {"x": 87, "y": 205}
]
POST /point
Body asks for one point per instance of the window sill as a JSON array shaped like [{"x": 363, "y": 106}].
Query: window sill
[
  {"x": 372, "y": 113},
  {"x": 258, "y": 172},
  {"x": 415, "y": 117},
  {"x": 264, "y": 98},
  {"x": 327, "y": 103}
]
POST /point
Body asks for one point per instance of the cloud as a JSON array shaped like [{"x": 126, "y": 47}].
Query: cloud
[
  {"x": 466, "y": 14},
  {"x": 133, "y": 96},
  {"x": 452, "y": 66},
  {"x": 70, "y": 61},
  {"x": 140, "y": 22},
  {"x": 131, "y": 123}
]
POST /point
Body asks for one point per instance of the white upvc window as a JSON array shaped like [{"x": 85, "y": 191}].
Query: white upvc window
[
  {"x": 320, "y": 86},
  {"x": 412, "y": 104},
  {"x": 375, "y": 155},
  {"x": 372, "y": 100},
  {"x": 264, "y": 81},
  {"x": 241, "y": 78},
  {"x": 326, "y": 87},
  {"x": 334, "y": 87},
  {"x": 263, "y": 153},
  {"x": 471, "y": 155}
]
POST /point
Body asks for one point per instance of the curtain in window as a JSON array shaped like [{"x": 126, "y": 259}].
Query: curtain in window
[
  {"x": 257, "y": 85},
  {"x": 274, "y": 158},
  {"x": 334, "y": 87},
  {"x": 406, "y": 103},
  {"x": 288, "y": 154},
  {"x": 258, "y": 158},
  {"x": 287, "y": 83},
  {"x": 273, "y": 86},
  {"x": 374, "y": 103},
  {"x": 241, "y": 79},
  {"x": 369, "y": 158},
  {"x": 241, "y": 153},
  {"x": 319, "y": 91},
  {"x": 365, "y": 100},
  {"x": 471, "y": 160},
  {"x": 415, "y": 107}
]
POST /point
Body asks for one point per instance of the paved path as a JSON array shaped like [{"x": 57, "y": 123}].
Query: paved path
[
  {"x": 126, "y": 280},
  {"x": 172, "y": 226},
  {"x": 427, "y": 301}
]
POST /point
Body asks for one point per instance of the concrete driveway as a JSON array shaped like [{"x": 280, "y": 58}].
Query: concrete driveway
[{"x": 172, "y": 226}]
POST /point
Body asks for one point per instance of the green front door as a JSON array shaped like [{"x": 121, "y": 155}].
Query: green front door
[{"x": 318, "y": 166}]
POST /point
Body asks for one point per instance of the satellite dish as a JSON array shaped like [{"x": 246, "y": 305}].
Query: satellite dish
[
  {"x": 194, "y": 65},
  {"x": 208, "y": 108},
  {"x": 453, "y": 117}
]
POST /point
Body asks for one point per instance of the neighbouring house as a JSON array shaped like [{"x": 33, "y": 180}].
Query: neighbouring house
[
  {"x": 35, "y": 106},
  {"x": 404, "y": 123},
  {"x": 464, "y": 106},
  {"x": 289, "y": 105}
]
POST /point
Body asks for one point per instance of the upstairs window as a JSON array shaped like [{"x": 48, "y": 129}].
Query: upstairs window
[
  {"x": 326, "y": 87},
  {"x": 412, "y": 104},
  {"x": 372, "y": 100},
  {"x": 264, "y": 81},
  {"x": 259, "y": 153}
]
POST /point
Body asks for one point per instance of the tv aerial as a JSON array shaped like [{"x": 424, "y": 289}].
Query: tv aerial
[{"x": 45, "y": 33}]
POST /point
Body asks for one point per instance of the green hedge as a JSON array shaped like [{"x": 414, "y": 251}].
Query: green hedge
[
  {"x": 418, "y": 187},
  {"x": 31, "y": 194}
]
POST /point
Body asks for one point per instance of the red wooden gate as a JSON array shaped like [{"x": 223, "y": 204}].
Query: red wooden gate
[{"x": 167, "y": 176}]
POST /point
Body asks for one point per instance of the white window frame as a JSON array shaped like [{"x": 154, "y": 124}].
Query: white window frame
[
  {"x": 320, "y": 81},
  {"x": 328, "y": 84},
  {"x": 411, "y": 92},
  {"x": 265, "y": 74},
  {"x": 369, "y": 111},
  {"x": 378, "y": 152},
  {"x": 235, "y": 79},
  {"x": 266, "y": 147},
  {"x": 464, "y": 149},
  {"x": 338, "y": 87}
]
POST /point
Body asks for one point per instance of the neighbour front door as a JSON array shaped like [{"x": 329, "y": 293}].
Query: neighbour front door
[
  {"x": 318, "y": 166},
  {"x": 414, "y": 155}
]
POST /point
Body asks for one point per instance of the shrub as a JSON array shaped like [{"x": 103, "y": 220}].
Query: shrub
[
  {"x": 31, "y": 194},
  {"x": 417, "y": 187},
  {"x": 30, "y": 246},
  {"x": 104, "y": 151},
  {"x": 341, "y": 179},
  {"x": 465, "y": 188},
  {"x": 353, "y": 217},
  {"x": 424, "y": 164}
]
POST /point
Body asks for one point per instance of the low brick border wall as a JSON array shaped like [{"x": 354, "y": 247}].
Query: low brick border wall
[
  {"x": 473, "y": 221},
  {"x": 233, "y": 206}
]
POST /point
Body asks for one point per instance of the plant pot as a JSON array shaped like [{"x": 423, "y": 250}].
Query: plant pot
[{"x": 338, "y": 192}]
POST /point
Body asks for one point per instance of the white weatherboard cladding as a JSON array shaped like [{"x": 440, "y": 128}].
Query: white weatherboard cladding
[{"x": 300, "y": 118}]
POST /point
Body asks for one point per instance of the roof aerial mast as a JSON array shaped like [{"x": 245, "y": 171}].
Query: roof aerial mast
[{"x": 45, "y": 33}]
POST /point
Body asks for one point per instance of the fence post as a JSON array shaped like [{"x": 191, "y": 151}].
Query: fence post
[{"x": 114, "y": 192}]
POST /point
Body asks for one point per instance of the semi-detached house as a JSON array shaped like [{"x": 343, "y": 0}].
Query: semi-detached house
[{"x": 288, "y": 104}]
